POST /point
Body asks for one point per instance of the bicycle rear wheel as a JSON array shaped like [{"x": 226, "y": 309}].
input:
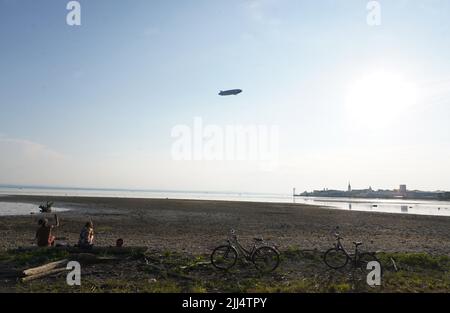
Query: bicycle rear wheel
[
  {"x": 266, "y": 259},
  {"x": 224, "y": 257},
  {"x": 335, "y": 258},
  {"x": 365, "y": 258}
]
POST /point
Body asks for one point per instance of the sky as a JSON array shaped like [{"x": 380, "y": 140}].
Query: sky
[{"x": 97, "y": 105}]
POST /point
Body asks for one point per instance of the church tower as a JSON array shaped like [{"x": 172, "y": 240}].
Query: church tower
[{"x": 349, "y": 188}]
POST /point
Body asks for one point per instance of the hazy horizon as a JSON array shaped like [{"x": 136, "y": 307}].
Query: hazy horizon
[
  {"x": 96, "y": 105},
  {"x": 288, "y": 192}
]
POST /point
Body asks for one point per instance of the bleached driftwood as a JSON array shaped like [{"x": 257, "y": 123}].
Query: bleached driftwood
[
  {"x": 44, "y": 268},
  {"x": 43, "y": 274}
]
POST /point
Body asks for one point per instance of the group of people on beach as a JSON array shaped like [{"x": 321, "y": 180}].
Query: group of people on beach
[{"x": 45, "y": 238}]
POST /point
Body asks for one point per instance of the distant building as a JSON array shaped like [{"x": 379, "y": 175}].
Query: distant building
[
  {"x": 402, "y": 190},
  {"x": 349, "y": 188},
  {"x": 444, "y": 196}
]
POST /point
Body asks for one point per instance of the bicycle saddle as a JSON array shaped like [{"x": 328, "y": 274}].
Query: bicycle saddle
[
  {"x": 357, "y": 243},
  {"x": 258, "y": 239}
]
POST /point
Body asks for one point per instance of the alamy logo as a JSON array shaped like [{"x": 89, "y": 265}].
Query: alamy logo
[
  {"x": 74, "y": 276},
  {"x": 374, "y": 276},
  {"x": 225, "y": 143},
  {"x": 73, "y": 18},
  {"x": 374, "y": 15}
]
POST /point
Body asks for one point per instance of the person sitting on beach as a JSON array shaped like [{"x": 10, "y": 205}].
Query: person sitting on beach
[
  {"x": 87, "y": 236},
  {"x": 44, "y": 235}
]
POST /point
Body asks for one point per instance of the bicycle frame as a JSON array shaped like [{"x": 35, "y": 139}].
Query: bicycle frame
[
  {"x": 340, "y": 246},
  {"x": 268, "y": 255},
  {"x": 234, "y": 242}
]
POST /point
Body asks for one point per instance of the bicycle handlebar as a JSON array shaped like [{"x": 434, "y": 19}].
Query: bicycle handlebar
[{"x": 233, "y": 234}]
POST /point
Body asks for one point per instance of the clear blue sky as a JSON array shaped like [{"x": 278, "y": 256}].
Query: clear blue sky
[{"x": 94, "y": 105}]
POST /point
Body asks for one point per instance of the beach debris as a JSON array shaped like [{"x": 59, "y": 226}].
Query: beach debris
[
  {"x": 394, "y": 264},
  {"x": 43, "y": 274},
  {"x": 60, "y": 266},
  {"x": 46, "y": 208},
  {"x": 44, "y": 268},
  {"x": 94, "y": 255}
]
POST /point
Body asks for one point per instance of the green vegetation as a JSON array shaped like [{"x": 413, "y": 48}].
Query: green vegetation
[
  {"x": 32, "y": 257},
  {"x": 416, "y": 261},
  {"x": 173, "y": 272},
  {"x": 103, "y": 229}
]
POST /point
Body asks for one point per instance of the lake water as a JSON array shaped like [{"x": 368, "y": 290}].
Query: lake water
[
  {"x": 421, "y": 207},
  {"x": 16, "y": 208}
]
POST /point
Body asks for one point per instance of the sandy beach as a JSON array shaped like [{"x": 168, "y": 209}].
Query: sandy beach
[{"x": 198, "y": 226}]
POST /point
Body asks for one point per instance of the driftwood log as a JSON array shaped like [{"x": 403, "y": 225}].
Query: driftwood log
[
  {"x": 86, "y": 258},
  {"x": 60, "y": 266},
  {"x": 91, "y": 256},
  {"x": 44, "y": 268},
  {"x": 43, "y": 274}
]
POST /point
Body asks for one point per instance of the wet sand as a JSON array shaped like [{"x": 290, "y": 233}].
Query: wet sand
[{"x": 196, "y": 226}]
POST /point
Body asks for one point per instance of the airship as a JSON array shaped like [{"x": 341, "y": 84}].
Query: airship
[{"x": 232, "y": 92}]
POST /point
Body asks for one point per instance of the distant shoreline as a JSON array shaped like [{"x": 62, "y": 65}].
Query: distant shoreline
[
  {"x": 370, "y": 198},
  {"x": 392, "y": 206},
  {"x": 379, "y": 194},
  {"x": 137, "y": 190}
]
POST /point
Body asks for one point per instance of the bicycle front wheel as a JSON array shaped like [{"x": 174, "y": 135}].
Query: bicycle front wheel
[
  {"x": 224, "y": 257},
  {"x": 335, "y": 258},
  {"x": 266, "y": 259}
]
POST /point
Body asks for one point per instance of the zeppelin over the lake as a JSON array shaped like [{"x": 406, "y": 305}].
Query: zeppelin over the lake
[{"x": 232, "y": 92}]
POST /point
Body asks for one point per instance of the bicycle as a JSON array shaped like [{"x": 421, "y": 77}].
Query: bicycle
[
  {"x": 338, "y": 257},
  {"x": 264, "y": 257}
]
